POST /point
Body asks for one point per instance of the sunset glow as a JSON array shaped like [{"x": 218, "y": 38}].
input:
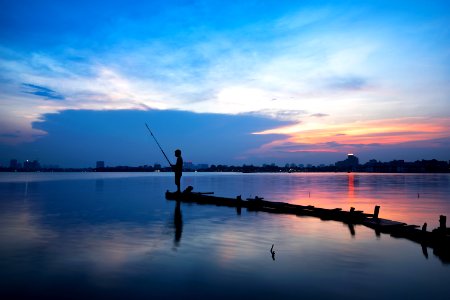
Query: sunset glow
[
  {"x": 344, "y": 136},
  {"x": 327, "y": 78}
]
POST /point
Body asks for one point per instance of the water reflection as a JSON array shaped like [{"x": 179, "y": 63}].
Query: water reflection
[
  {"x": 351, "y": 227},
  {"x": 178, "y": 223},
  {"x": 351, "y": 185},
  {"x": 117, "y": 243},
  {"x": 396, "y": 194},
  {"x": 272, "y": 252},
  {"x": 425, "y": 251},
  {"x": 21, "y": 227},
  {"x": 97, "y": 248},
  {"x": 99, "y": 183}
]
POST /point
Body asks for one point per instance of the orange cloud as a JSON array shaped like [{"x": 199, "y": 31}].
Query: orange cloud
[{"x": 320, "y": 137}]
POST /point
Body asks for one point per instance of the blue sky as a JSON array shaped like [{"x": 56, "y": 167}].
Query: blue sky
[{"x": 227, "y": 81}]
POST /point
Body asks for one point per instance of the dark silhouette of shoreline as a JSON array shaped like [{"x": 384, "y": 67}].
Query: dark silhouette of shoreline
[{"x": 373, "y": 166}]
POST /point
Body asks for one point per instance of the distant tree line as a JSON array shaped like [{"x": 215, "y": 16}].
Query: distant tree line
[{"x": 374, "y": 166}]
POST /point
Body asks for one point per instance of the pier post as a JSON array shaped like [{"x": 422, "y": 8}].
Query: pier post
[
  {"x": 424, "y": 227},
  {"x": 352, "y": 212},
  {"x": 442, "y": 222},
  {"x": 376, "y": 211}
]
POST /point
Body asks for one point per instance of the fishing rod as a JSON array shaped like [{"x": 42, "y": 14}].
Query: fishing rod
[{"x": 158, "y": 144}]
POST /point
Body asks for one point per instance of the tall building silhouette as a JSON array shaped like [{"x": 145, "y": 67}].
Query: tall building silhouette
[
  {"x": 351, "y": 163},
  {"x": 31, "y": 165}
]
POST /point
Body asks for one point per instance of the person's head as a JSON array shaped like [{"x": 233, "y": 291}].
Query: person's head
[{"x": 178, "y": 153}]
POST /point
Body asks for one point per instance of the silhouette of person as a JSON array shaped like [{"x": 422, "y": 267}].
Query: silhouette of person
[{"x": 178, "y": 169}]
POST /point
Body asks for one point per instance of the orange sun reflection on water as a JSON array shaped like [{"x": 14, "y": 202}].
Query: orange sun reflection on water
[
  {"x": 398, "y": 201},
  {"x": 351, "y": 185}
]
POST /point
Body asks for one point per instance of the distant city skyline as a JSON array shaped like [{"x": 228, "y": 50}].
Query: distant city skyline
[
  {"x": 226, "y": 82},
  {"x": 350, "y": 161}
]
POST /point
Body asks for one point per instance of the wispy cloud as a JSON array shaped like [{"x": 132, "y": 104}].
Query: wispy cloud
[
  {"x": 285, "y": 115},
  {"x": 41, "y": 91},
  {"x": 319, "y": 115},
  {"x": 347, "y": 83}
]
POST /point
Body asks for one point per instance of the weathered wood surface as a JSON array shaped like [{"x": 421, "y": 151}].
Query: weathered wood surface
[
  {"x": 438, "y": 239},
  {"x": 383, "y": 223}
]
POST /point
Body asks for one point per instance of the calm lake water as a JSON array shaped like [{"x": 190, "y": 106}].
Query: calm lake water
[{"x": 114, "y": 236}]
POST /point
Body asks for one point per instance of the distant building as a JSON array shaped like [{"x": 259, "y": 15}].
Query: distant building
[
  {"x": 29, "y": 165},
  {"x": 352, "y": 159},
  {"x": 350, "y": 164},
  {"x": 188, "y": 165},
  {"x": 13, "y": 164},
  {"x": 157, "y": 166},
  {"x": 100, "y": 164}
]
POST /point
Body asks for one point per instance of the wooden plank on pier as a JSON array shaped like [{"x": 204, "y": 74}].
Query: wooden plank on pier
[{"x": 382, "y": 223}]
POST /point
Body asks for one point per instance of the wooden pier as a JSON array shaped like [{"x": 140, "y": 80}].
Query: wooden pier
[{"x": 438, "y": 239}]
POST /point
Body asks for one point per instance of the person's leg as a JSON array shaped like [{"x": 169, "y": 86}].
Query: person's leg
[{"x": 178, "y": 182}]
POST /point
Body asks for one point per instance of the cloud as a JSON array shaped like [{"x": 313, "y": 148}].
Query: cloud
[
  {"x": 291, "y": 147},
  {"x": 41, "y": 91},
  {"x": 311, "y": 136},
  {"x": 119, "y": 137},
  {"x": 9, "y": 135},
  {"x": 319, "y": 115},
  {"x": 349, "y": 83},
  {"x": 285, "y": 115}
]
